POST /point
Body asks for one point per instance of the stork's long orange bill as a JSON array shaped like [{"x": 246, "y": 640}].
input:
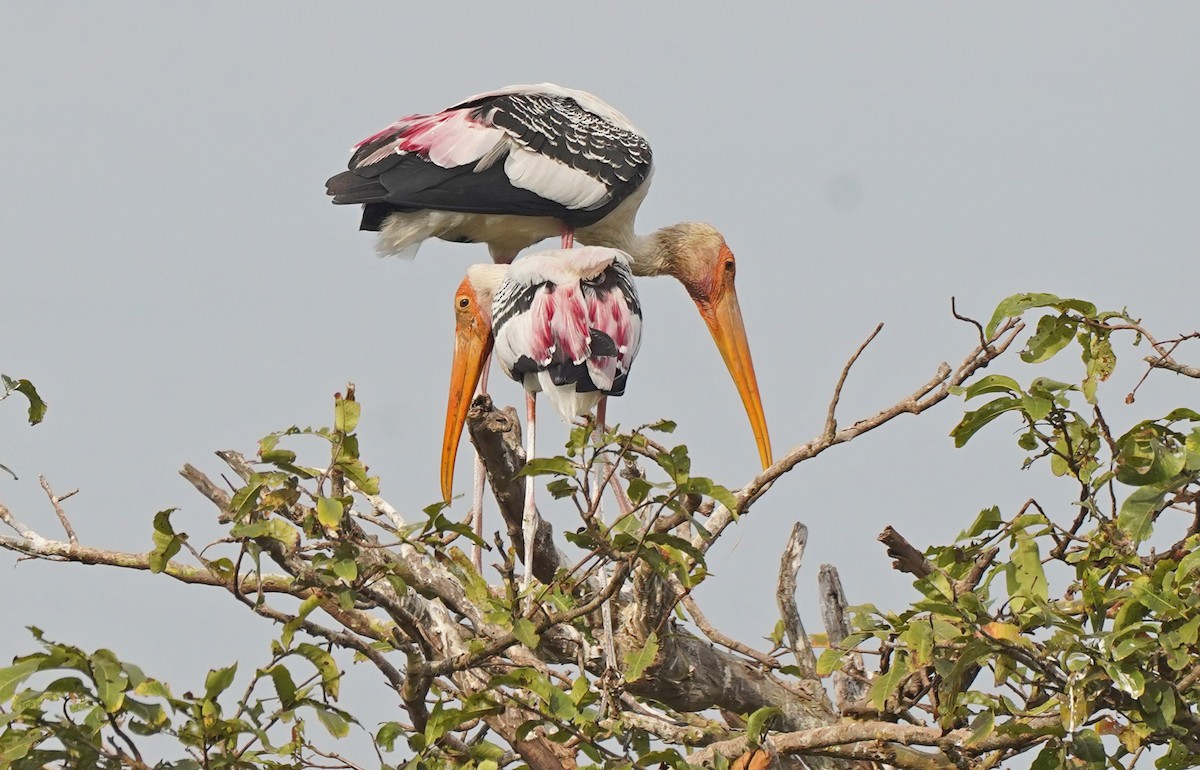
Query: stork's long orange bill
[
  {"x": 472, "y": 345},
  {"x": 724, "y": 318}
]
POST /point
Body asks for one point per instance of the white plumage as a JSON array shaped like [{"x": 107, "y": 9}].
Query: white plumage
[{"x": 568, "y": 323}]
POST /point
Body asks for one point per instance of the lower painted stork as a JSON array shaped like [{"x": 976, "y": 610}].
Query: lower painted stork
[
  {"x": 567, "y": 323},
  {"x": 521, "y": 164}
]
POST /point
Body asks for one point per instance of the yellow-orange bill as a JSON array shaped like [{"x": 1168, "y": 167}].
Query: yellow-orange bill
[
  {"x": 724, "y": 318},
  {"x": 472, "y": 345}
]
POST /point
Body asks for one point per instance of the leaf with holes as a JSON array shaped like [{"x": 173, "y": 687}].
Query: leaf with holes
[{"x": 167, "y": 542}]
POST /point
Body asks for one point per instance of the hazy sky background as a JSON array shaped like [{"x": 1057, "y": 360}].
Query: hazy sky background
[{"x": 175, "y": 281}]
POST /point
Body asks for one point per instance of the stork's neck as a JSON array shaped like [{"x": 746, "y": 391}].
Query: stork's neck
[{"x": 649, "y": 254}]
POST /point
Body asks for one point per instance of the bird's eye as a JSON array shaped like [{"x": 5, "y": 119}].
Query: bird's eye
[
  {"x": 464, "y": 303},
  {"x": 730, "y": 266}
]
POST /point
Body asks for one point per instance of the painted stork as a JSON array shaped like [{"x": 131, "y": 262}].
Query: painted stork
[
  {"x": 514, "y": 166},
  {"x": 564, "y": 322}
]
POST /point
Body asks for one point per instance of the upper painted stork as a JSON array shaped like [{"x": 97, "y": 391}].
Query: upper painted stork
[
  {"x": 521, "y": 164},
  {"x": 567, "y": 323}
]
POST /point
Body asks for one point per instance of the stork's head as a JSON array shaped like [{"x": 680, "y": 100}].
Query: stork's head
[
  {"x": 697, "y": 255},
  {"x": 472, "y": 344}
]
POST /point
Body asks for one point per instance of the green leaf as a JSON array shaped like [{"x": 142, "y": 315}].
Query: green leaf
[
  {"x": 345, "y": 415},
  {"x": 885, "y": 684},
  {"x": 334, "y": 721},
  {"x": 993, "y": 383},
  {"x": 152, "y": 688},
  {"x": 973, "y": 421},
  {"x": 1086, "y": 745},
  {"x": 543, "y": 466},
  {"x": 987, "y": 520},
  {"x": 346, "y": 569},
  {"x": 245, "y": 498},
  {"x": 636, "y": 661},
  {"x": 919, "y": 639},
  {"x": 1128, "y": 679},
  {"x": 1136, "y": 517},
  {"x": 1192, "y": 450},
  {"x": 269, "y": 454},
  {"x": 676, "y": 463},
  {"x": 356, "y": 472},
  {"x": 330, "y": 511},
  {"x": 526, "y": 633},
  {"x": 829, "y": 660},
  {"x": 1148, "y": 454},
  {"x": 166, "y": 541},
  {"x": 1100, "y": 360},
  {"x": 439, "y": 523},
  {"x": 662, "y": 426},
  {"x": 723, "y": 496},
  {"x": 759, "y": 723},
  {"x": 1053, "y": 334},
  {"x": 218, "y": 680},
  {"x": 677, "y": 543},
  {"x": 1049, "y": 758},
  {"x": 1017, "y": 304},
  {"x": 16, "y": 745},
  {"x": 1153, "y": 597},
  {"x": 560, "y": 488},
  {"x": 1182, "y": 413},
  {"x": 330, "y": 675},
  {"x": 1037, "y": 408},
  {"x": 285, "y": 686},
  {"x": 12, "y": 677},
  {"x": 1014, "y": 306},
  {"x": 110, "y": 679},
  {"x": 388, "y": 733},
  {"x": 1026, "y": 577},
  {"x": 289, "y": 628},
  {"x": 982, "y": 726},
  {"x": 275, "y": 529},
  {"x": 639, "y": 488},
  {"x": 37, "y": 407}
]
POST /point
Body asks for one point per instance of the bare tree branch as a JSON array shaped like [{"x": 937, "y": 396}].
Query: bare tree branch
[
  {"x": 785, "y": 599},
  {"x": 870, "y": 740},
  {"x": 725, "y": 641},
  {"x": 56, "y": 502},
  {"x": 928, "y": 395},
  {"x": 496, "y": 434},
  {"x": 906, "y": 557},
  {"x": 849, "y": 684}
]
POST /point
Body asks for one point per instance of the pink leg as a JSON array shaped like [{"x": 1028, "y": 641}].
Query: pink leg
[
  {"x": 529, "y": 519},
  {"x": 568, "y": 237},
  {"x": 610, "y": 653},
  {"x": 624, "y": 504}
]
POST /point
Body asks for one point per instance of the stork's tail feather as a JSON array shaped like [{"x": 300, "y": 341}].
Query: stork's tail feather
[{"x": 351, "y": 187}]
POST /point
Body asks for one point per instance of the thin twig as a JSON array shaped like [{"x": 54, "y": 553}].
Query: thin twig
[
  {"x": 219, "y": 497},
  {"x": 723, "y": 640},
  {"x": 954, "y": 312},
  {"x": 830, "y": 417},
  {"x": 58, "y": 510},
  {"x": 926, "y": 396}
]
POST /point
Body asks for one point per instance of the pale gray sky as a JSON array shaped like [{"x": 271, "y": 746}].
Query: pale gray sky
[{"x": 175, "y": 281}]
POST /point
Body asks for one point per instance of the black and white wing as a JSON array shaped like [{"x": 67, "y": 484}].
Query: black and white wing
[{"x": 537, "y": 150}]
